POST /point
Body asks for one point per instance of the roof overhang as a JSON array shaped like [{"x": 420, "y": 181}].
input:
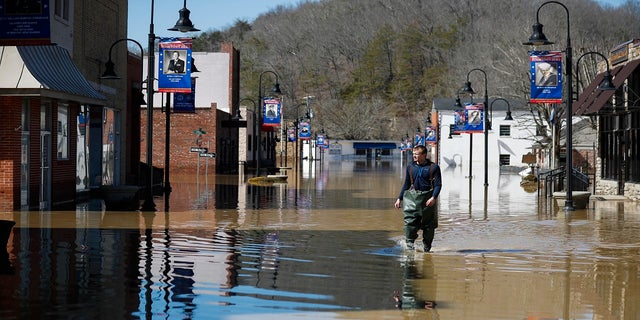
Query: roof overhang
[
  {"x": 374, "y": 145},
  {"x": 46, "y": 71},
  {"x": 592, "y": 99}
]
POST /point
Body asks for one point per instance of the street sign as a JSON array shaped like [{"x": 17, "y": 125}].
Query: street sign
[
  {"x": 207, "y": 155},
  {"x": 198, "y": 149}
]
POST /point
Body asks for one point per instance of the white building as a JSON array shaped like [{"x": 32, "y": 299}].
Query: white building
[{"x": 508, "y": 140}]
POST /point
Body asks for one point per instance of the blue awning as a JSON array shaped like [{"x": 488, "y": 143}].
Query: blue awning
[
  {"x": 52, "y": 66},
  {"x": 374, "y": 145}
]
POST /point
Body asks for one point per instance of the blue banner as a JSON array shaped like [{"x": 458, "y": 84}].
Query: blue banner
[
  {"x": 271, "y": 112},
  {"x": 174, "y": 65},
  {"x": 304, "y": 130},
  {"x": 24, "y": 23},
  {"x": 459, "y": 121},
  {"x": 430, "y": 135},
  {"x": 474, "y": 115},
  {"x": 546, "y": 76},
  {"x": 291, "y": 134},
  {"x": 185, "y": 102},
  {"x": 320, "y": 140}
]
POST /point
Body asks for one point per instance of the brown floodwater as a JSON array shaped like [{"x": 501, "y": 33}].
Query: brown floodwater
[{"x": 327, "y": 244}]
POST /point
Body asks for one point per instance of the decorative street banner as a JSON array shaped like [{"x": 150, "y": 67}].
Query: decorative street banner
[
  {"x": 419, "y": 140},
  {"x": 459, "y": 121},
  {"x": 185, "y": 102},
  {"x": 174, "y": 63},
  {"x": 291, "y": 134},
  {"x": 304, "y": 130},
  {"x": 474, "y": 113},
  {"x": 325, "y": 145},
  {"x": 320, "y": 140},
  {"x": 24, "y": 23},
  {"x": 430, "y": 135},
  {"x": 546, "y": 76},
  {"x": 271, "y": 112}
]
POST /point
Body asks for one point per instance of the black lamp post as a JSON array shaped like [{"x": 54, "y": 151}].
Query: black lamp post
[
  {"x": 508, "y": 117},
  {"x": 468, "y": 90},
  {"x": 607, "y": 80},
  {"x": 238, "y": 117},
  {"x": 110, "y": 73},
  {"x": 275, "y": 90},
  {"x": 183, "y": 25},
  {"x": 538, "y": 38}
]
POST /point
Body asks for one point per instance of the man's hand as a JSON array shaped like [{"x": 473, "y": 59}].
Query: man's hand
[
  {"x": 398, "y": 204},
  {"x": 431, "y": 202}
]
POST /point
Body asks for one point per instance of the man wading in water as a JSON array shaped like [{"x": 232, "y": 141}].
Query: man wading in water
[{"x": 417, "y": 198}]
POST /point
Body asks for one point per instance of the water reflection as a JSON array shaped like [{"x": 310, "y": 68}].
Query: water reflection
[{"x": 325, "y": 245}]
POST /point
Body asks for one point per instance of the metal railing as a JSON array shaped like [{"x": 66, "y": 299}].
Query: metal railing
[{"x": 555, "y": 180}]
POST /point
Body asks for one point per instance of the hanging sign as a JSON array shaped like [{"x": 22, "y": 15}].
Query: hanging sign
[
  {"x": 430, "y": 135},
  {"x": 185, "y": 102},
  {"x": 291, "y": 134},
  {"x": 174, "y": 65},
  {"x": 546, "y": 76},
  {"x": 474, "y": 115},
  {"x": 459, "y": 121},
  {"x": 25, "y": 23},
  {"x": 271, "y": 112},
  {"x": 304, "y": 130}
]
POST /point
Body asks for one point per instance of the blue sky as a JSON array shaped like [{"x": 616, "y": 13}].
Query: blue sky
[{"x": 206, "y": 15}]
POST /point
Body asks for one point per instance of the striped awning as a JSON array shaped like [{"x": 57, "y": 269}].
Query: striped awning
[{"x": 49, "y": 69}]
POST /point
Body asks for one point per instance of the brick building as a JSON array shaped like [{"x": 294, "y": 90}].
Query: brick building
[
  {"x": 217, "y": 87},
  {"x": 49, "y": 79}
]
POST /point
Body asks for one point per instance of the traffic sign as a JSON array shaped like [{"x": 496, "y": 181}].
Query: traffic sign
[
  {"x": 198, "y": 149},
  {"x": 209, "y": 155}
]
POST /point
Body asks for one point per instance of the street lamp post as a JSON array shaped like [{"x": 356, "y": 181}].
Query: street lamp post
[
  {"x": 468, "y": 90},
  {"x": 607, "y": 80},
  {"x": 275, "y": 90},
  {"x": 184, "y": 25},
  {"x": 238, "y": 117},
  {"x": 508, "y": 117},
  {"x": 109, "y": 73},
  {"x": 536, "y": 39}
]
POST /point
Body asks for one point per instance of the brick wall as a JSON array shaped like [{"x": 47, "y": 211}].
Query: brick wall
[
  {"x": 10, "y": 132},
  {"x": 182, "y": 138}
]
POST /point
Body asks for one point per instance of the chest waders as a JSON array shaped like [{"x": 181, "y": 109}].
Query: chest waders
[{"x": 417, "y": 216}]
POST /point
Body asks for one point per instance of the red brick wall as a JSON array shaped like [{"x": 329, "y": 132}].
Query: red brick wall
[
  {"x": 182, "y": 138},
  {"x": 63, "y": 172},
  {"x": 10, "y": 132}
]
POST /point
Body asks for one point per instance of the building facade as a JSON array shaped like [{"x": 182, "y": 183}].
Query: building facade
[
  {"x": 618, "y": 121},
  {"x": 50, "y": 82}
]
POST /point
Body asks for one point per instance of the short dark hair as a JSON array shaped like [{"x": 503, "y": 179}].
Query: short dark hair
[{"x": 420, "y": 148}]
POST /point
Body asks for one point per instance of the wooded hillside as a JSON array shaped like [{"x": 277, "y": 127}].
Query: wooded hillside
[{"x": 374, "y": 66}]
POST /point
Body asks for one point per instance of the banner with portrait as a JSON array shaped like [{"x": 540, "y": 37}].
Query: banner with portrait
[
  {"x": 474, "y": 115},
  {"x": 546, "y": 76},
  {"x": 304, "y": 130},
  {"x": 174, "y": 66},
  {"x": 459, "y": 121},
  {"x": 430, "y": 135},
  {"x": 271, "y": 112},
  {"x": 419, "y": 139},
  {"x": 291, "y": 134}
]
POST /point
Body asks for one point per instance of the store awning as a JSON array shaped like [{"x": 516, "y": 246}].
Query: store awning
[
  {"x": 592, "y": 99},
  {"x": 374, "y": 145},
  {"x": 47, "y": 71}
]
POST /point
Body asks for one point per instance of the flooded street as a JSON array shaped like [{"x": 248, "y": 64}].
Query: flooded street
[{"x": 325, "y": 245}]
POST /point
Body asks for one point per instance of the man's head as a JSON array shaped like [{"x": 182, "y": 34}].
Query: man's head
[
  {"x": 175, "y": 55},
  {"x": 419, "y": 153}
]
